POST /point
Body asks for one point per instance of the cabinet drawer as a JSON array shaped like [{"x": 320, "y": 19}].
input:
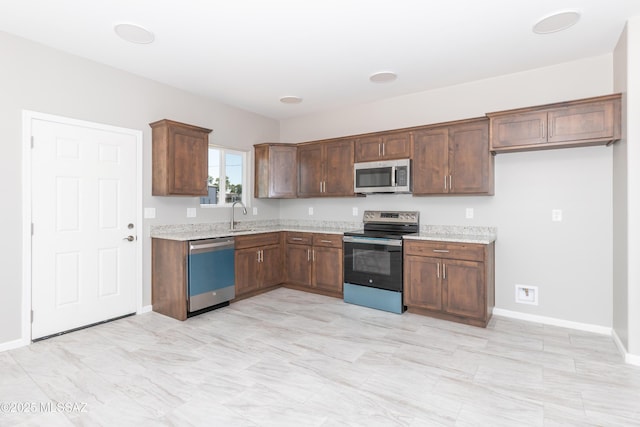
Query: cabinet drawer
[
  {"x": 464, "y": 251},
  {"x": 299, "y": 238},
  {"x": 327, "y": 240},
  {"x": 254, "y": 240}
]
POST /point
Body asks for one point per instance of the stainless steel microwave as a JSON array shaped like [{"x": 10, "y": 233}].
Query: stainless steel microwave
[{"x": 386, "y": 176}]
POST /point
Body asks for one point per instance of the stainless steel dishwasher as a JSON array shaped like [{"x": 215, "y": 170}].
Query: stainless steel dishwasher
[{"x": 211, "y": 274}]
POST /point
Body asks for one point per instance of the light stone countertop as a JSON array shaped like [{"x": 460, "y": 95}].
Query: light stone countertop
[{"x": 186, "y": 232}]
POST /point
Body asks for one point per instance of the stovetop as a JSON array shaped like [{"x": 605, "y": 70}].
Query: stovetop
[{"x": 388, "y": 224}]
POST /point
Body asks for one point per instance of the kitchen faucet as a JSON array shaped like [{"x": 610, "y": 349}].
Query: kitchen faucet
[{"x": 244, "y": 212}]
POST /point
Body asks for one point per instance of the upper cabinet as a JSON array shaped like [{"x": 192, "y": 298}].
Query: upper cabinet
[
  {"x": 325, "y": 168},
  {"x": 385, "y": 146},
  {"x": 180, "y": 159},
  {"x": 453, "y": 158},
  {"x": 276, "y": 171},
  {"x": 585, "y": 122}
]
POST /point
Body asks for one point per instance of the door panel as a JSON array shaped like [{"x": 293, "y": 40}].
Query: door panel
[
  {"x": 423, "y": 286},
  {"x": 430, "y": 161},
  {"x": 83, "y": 199}
]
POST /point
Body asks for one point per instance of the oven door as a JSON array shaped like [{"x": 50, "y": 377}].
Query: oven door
[{"x": 374, "y": 262}]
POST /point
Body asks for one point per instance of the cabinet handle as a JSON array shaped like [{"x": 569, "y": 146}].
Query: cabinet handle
[
  {"x": 313, "y": 253},
  {"x": 379, "y": 152},
  {"x": 444, "y": 271},
  {"x": 542, "y": 129},
  {"x": 445, "y": 183},
  {"x": 308, "y": 255},
  {"x": 326, "y": 241},
  {"x": 450, "y": 183},
  {"x": 441, "y": 251},
  {"x": 383, "y": 149},
  {"x": 257, "y": 256},
  {"x": 550, "y": 131},
  {"x": 296, "y": 238},
  {"x": 438, "y": 271},
  {"x": 261, "y": 255}
]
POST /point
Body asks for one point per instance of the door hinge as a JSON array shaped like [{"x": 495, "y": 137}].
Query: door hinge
[{"x": 31, "y": 316}]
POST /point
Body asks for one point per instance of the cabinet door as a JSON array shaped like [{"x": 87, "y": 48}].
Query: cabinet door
[
  {"x": 310, "y": 170},
  {"x": 189, "y": 158},
  {"x": 368, "y": 149},
  {"x": 276, "y": 171},
  {"x": 463, "y": 288},
  {"x": 515, "y": 130},
  {"x": 396, "y": 146},
  {"x": 247, "y": 279},
  {"x": 590, "y": 121},
  {"x": 271, "y": 266},
  {"x": 338, "y": 180},
  {"x": 430, "y": 161},
  {"x": 298, "y": 262},
  {"x": 327, "y": 269},
  {"x": 422, "y": 282},
  {"x": 470, "y": 161}
]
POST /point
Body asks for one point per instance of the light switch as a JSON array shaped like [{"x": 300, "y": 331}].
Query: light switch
[
  {"x": 149, "y": 212},
  {"x": 469, "y": 213},
  {"x": 310, "y": 211},
  {"x": 354, "y": 211},
  {"x": 191, "y": 212},
  {"x": 255, "y": 210},
  {"x": 556, "y": 215}
]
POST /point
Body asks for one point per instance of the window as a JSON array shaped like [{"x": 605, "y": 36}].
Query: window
[{"x": 227, "y": 177}]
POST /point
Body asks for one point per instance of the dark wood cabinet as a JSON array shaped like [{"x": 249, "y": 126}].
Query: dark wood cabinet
[
  {"x": 314, "y": 262},
  {"x": 258, "y": 263},
  {"x": 585, "y": 122},
  {"x": 180, "y": 159},
  {"x": 325, "y": 169},
  {"x": 169, "y": 277},
  {"x": 453, "y": 281},
  {"x": 453, "y": 158},
  {"x": 383, "y": 146},
  {"x": 276, "y": 171}
]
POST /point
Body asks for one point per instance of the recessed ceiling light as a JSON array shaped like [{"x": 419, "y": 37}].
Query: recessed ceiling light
[
  {"x": 557, "y": 22},
  {"x": 383, "y": 77},
  {"x": 291, "y": 100},
  {"x": 134, "y": 33}
]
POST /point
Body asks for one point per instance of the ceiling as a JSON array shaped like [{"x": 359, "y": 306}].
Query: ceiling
[{"x": 250, "y": 53}]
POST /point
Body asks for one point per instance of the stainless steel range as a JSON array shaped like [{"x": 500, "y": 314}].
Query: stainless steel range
[{"x": 373, "y": 259}]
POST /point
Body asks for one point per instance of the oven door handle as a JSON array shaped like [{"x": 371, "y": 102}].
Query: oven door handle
[{"x": 372, "y": 241}]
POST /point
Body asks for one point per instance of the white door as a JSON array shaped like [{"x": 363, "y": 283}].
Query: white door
[{"x": 83, "y": 192}]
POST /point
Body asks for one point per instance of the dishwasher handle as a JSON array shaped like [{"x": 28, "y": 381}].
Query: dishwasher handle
[{"x": 211, "y": 245}]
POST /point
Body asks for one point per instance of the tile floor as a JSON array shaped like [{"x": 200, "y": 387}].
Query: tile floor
[{"x": 289, "y": 358}]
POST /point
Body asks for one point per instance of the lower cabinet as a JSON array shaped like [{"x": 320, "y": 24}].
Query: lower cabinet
[
  {"x": 258, "y": 260},
  {"x": 453, "y": 281},
  {"x": 169, "y": 277},
  {"x": 313, "y": 261}
]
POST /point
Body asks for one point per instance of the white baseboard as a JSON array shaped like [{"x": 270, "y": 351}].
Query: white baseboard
[
  {"x": 10, "y": 345},
  {"x": 145, "y": 309},
  {"x": 629, "y": 358},
  {"x": 603, "y": 330}
]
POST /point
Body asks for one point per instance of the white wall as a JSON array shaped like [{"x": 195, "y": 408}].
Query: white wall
[
  {"x": 620, "y": 202},
  {"x": 627, "y": 193},
  {"x": 38, "y": 78},
  {"x": 571, "y": 261}
]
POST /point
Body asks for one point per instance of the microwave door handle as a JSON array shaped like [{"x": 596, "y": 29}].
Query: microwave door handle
[{"x": 394, "y": 177}]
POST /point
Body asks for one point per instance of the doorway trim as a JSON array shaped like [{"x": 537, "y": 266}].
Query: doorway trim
[{"x": 27, "y": 118}]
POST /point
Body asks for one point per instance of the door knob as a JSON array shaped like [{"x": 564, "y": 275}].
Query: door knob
[{"x": 129, "y": 238}]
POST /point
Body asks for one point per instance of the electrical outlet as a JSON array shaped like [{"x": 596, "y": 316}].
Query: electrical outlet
[
  {"x": 255, "y": 210},
  {"x": 191, "y": 212},
  {"x": 469, "y": 213},
  {"x": 354, "y": 211},
  {"x": 310, "y": 211},
  {"x": 556, "y": 215}
]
